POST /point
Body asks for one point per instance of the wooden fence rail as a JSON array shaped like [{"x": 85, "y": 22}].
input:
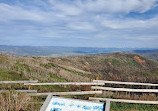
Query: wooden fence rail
[
  {"x": 124, "y": 100},
  {"x": 125, "y": 83},
  {"x": 22, "y": 91},
  {"x": 66, "y": 83},
  {"x": 16, "y": 82},
  {"x": 125, "y": 89},
  {"x": 66, "y": 93}
]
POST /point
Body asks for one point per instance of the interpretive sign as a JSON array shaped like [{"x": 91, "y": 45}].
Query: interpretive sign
[{"x": 65, "y": 104}]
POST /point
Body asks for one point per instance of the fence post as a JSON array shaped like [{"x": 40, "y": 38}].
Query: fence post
[
  {"x": 107, "y": 107},
  {"x": 30, "y": 87},
  {"x": 95, "y": 95}
]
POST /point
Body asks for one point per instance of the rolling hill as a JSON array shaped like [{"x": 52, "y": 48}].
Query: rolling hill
[{"x": 116, "y": 66}]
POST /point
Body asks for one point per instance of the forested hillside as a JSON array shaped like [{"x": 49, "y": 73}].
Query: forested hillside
[{"x": 121, "y": 67}]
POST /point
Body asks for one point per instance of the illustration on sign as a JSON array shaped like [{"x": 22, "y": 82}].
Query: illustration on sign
[{"x": 64, "y": 104}]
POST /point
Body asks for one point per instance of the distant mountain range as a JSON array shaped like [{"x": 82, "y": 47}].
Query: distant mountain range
[
  {"x": 60, "y": 51},
  {"x": 56, "y": 51}
]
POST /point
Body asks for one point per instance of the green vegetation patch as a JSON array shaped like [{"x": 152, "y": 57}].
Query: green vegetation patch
[
  {"x": 132, "y": 107},
  {"x": 57, "y": 78},
  {"x": 51, "y": 88},
  {"x": 153, "y": 72},
  {"x": 9, "y": 75},
  {"x": 49, "y": 65},
  {"x": 3, "y": 59},
  {"x": 25, "y": 66},
  {"x": 122, "y": 61},
  {"x": 77, "y": 73},
  {"x": 113, "y": 61}
]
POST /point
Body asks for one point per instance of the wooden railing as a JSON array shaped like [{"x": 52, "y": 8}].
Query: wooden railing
[
  {"x": 97, "y": 85},
  {"x": 125, "y": 83},
  {"x": 22, "y": 91},
  {"x": 124, "y": 100},
  {"x": 66, "y": 83},
  {"x": 125, "y": 89},
  {"x": 18, "y": 82},
  {"x": 66, "y": 93}
]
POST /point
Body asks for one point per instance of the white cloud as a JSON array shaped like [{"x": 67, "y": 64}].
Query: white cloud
[
  {"x": 127, "y": 23},
  {"x": 8, "y": 12},
  {"x": 67, "y": 9},
  {"x": 103, "y": 6},
  {"x": 142, "y": 38},
  {"x": 81, "y": 26},
  {"x": 119, "y": 6}
]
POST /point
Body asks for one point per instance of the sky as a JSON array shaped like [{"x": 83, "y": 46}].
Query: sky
[{"x": 79, "y": 23}]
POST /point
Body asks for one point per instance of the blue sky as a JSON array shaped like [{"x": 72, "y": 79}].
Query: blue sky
[{"x": 79, "y": 23}]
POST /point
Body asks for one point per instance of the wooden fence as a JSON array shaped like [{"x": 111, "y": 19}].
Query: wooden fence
[
  {"x": 97, "y": 85},
  {"x": 125, "y": 90}
]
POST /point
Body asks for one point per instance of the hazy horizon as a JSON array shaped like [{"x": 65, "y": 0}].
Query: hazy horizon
[{"x": 80, "y": 46}]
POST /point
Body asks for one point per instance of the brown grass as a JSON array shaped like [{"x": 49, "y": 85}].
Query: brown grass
[{"x": 14, "y": 101}]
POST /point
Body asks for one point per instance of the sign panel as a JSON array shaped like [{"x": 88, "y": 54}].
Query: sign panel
[{"x": 65, "y": 104}]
